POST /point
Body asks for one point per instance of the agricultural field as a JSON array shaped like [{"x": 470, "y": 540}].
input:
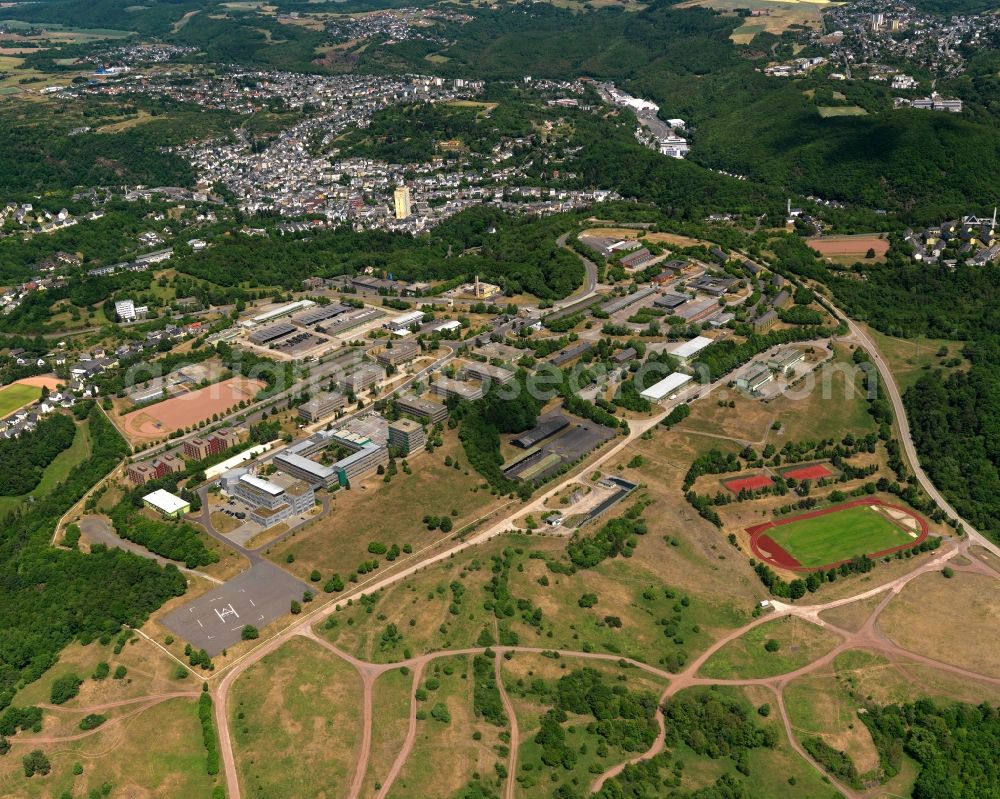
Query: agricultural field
[
  {"x": 825, "y": 538},
  {"x": 773, "y": 16}
]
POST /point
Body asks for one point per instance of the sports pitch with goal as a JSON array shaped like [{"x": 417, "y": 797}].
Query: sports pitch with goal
[{"x": 834, "y": 537}]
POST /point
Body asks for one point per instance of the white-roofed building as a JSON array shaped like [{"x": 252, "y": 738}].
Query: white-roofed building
[
  {"x": 667, "y": 387},
  {"x": 166, "y": 503},
  {"x": 688, "y": 349}
]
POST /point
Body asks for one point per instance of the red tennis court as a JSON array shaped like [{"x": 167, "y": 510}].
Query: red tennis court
[
  {"x": 815, "y": 472},
  {"x": 752, "y": 483}
]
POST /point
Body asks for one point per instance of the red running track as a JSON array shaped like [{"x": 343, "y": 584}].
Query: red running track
[{"x": 767, "y": 550}]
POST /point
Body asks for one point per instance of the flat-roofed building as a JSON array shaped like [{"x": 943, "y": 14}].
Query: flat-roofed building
[
  {"x": 406, "y": 435},
  {"x": 671, "y": 300},
  {"x": 494, "y": 350},
  {"x": 687, "y": 350},
  {"x": 398, "y": 351},
  {"x": 447, "y": 388},
  {"x": 349, "y": 320},
  {"x": 569, "y": 353},
  {"x": 785, "y": 360},
  {"x": 319, "y": 314},
  {"x": 754, "y": 377},
  {"x": 620, "y": 303},
  {"x": 271, "y": 333},
  {"x": 667, "y": 387},
  {"x": 170, "y": 505},
  {"x": 545, "y": 428},
  {"x": 322, "y": 405},
  {"x": 271, "y": 500},
  {"x": 364, "y": 377},
  {"x": 487, "y": 373},
  {"x": 433, "y": 412},
  {"x": 404, "y": 321}
]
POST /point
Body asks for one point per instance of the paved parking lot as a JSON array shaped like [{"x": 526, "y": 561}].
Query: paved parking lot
[{"x": 214, "y": 620}]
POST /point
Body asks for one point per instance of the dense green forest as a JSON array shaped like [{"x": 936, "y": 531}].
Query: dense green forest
[
  {"x": 519, "y": 255},
  {"x": 51, "y": 596},
  {"x": 23, "y": 460},
  {"x": 410, "y": 133},
  {"x": 41, "y": 155},
  {"x": 955, "y": 745}
]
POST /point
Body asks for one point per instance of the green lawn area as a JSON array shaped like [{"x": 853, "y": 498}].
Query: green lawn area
[
  {"x": 17, "y": 395},
  {"x": 836, "y": 536},
  {"x": 799, "y": 642}
]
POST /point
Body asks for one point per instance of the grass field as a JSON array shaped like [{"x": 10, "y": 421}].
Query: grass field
[
  {"x": 956, "y": 621},
  {"x": 390, "y": 720},
  {"x": 425, "y": 612},
  {"x": 800, "y": 642},
  {"x": 445, "y": 754},
  {"x": 296, "y": 718},
  {"x": 909, "y": 359},
  {"x": 828, "y": 111},
  {"x": 390, "y": 513},
  {"x": 157, "y": 754},
  {"x": 17, "y": 395},
  {"x": 834, "y": 537},
  {"x": 777, "y": 772}
]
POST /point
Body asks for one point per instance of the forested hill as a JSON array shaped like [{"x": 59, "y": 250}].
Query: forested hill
[{"x": 50, "y": 596}]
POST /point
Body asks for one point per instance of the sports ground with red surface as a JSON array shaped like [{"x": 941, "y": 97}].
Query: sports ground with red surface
[
  {"x": 815, "y": 472},
  {"x": 823, "y": 539},
  {"x": 753, "y": 483}
]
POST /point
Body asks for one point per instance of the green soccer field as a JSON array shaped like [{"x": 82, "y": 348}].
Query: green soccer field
[
  {"x": 838, "y": 536},
  {"x": 16, "y": 395}
]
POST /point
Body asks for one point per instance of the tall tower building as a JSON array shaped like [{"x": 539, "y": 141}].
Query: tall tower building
[{"x": 401, "y": 198}]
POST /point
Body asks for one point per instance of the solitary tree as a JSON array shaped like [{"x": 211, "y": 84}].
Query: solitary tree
[{"x": 249, "y": 633}]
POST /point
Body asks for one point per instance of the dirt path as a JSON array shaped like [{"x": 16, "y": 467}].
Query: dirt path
[
  {"x": 409, "y": 740},
  {"x": 144, "y": 702},
  {"x": 508, "y": 707}
]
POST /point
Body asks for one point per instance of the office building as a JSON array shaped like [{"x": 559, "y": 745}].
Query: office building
[
  {"x": 432, "y": 412},
  {"x": 406, "y": 435},
  {"x": 322, "y": 405}
]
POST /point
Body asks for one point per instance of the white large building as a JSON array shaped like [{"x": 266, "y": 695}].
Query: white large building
[
  {"x": 667, "y": 387},
  {"x": 688, "y": 349}
]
